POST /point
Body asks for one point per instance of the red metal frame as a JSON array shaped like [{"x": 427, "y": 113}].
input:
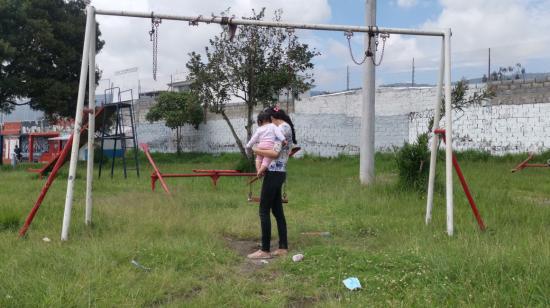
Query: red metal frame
[
  {"x": 49, "y": 165},
  {"x": 57, "y": 163},
  {"x": 156, "y": 174},
  {"x": 214, "y": 174},
  {"x": 525, "y": 164},
  {"x": 464, "y": 184}
]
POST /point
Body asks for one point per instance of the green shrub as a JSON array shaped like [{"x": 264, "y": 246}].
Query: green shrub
[
  {"x": 245, "y": 165},
  {"x": 413, "y": 164}
]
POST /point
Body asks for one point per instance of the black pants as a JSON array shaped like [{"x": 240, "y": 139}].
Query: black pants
[{"x": 271, "y": 199}]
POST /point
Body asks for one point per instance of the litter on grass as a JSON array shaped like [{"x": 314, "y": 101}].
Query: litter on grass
[
  {"x": 352, "y": 283},
  {"x": 136, "y": 264},
  {"x": 47, "y": 240},
  {"x": 297, "y": 258}
]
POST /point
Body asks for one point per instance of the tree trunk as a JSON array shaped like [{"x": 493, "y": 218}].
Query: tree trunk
[
  {"x": 178, "y": 140},
  {"x": 249, "y": 123},
  {"x": 237, "y": 139}
]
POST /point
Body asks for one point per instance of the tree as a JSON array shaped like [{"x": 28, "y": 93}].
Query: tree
[
  {"x": 461, "y": 99},
  {"x": 177, "y": 109},
  {"x": 509, "y": 73},
  {"x": 253, "y": 67},
  {"x": 40, "y": 54},
  {"x": 413, "y": 160}
]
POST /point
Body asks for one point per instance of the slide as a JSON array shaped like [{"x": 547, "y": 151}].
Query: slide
[{"x": 45, "y": 169}]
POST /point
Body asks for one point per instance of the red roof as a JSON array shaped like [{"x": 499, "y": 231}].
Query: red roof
[{"x": 11, "y": 128}]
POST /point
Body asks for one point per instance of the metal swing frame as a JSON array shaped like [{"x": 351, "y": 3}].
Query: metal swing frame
[{"x": 88, "y": 68}]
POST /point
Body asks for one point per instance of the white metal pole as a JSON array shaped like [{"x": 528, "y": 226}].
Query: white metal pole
[
  {"x": 275, "y": 24},
  {"x": 77, "y": 128},
  {"x": 366, "y": 152},
  {"x": 91, "y": 121},
  {"x": 448, "y": 133},
  {"x": 435, "y": 137}
]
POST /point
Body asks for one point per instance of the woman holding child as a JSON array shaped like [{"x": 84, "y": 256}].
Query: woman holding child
[{"x": 274, "y": 177}]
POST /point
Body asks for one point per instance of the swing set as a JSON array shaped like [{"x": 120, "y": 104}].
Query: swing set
[{"x": 372, "y": 32}]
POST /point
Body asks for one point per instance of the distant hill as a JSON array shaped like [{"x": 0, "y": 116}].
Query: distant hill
[
  {"x": 527, "y": 76},
  {"x": 405, "y": 85}
]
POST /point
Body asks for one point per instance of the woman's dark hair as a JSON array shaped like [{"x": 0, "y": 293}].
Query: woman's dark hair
[
  {"x": 263, "y": 117},
  {"x": 280, "y": 114}
]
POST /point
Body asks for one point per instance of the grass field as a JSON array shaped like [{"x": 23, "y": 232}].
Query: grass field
[{"x": 194, "y": 243}]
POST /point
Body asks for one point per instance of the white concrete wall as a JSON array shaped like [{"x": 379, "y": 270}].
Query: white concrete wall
[{"x": 328, "y": 125}]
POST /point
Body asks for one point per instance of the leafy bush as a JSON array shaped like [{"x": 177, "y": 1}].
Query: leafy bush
[
  {"x": 245, "y": 165},
  {"x": 413, "y": 164}
]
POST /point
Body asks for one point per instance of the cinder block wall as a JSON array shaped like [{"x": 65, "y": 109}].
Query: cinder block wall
[{"x": 516, "y": 120}]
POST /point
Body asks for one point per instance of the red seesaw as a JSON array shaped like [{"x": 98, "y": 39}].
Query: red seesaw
[
  {"x": 464, "y": 185},
  {"x": 525, "y": 164},
  {"x": 214, "y": 174}
]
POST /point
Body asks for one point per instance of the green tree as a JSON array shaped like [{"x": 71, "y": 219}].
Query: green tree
[
  {"x": 462, "y": 97},
  {"x": 254, "y": 67},
  {"x": 177, "y": 109},
  {"x": 413, "y": 160},
  {"x": 40, "y": 54}
]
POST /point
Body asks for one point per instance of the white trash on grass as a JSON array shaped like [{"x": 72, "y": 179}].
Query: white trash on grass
[
  {"x": 352, "y": 283},
  {"x": 297, "y": 258}
]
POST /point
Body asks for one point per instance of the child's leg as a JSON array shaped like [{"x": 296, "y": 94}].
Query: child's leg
[
  {"x": 259, "y": 159},
  {"x": 265, "y": 164}
]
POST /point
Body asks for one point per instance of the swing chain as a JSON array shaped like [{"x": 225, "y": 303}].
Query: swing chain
[
  {"x": 384, "y": 37},
  {"x": 154, "y": 37},
  {"x": 368, "y": 52}
]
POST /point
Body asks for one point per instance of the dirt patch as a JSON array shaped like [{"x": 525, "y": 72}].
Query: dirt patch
[
  {"x": 175, "y": 297},
  {"x": 243, "y": 247},
  {"x": 300, "y": 302}
]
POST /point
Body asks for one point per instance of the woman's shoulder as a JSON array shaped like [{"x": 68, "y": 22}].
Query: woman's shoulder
[{"x": 285, "y": 126}]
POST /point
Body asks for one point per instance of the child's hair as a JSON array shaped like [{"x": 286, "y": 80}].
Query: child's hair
[
  {"x": 263, "y": 117},
  {"x": 280, "y": 114}
]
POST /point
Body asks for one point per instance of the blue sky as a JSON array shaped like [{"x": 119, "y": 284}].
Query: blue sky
[
  {"x": 516, "y": 31},
  {"x": 477, "y": 25}
]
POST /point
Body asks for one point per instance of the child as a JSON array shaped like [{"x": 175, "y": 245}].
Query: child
[{"x": 265, "y": 136}]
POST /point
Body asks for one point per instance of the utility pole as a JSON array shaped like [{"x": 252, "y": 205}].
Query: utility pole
[
  {"x": 412, "y": 83},
  {"x": 366, "y": 153},
  {"x": 347, "y": 77},
  {"x": 489, "y": 68}
]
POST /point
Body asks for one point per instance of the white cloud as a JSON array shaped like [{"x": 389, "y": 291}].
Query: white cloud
[
  {"x": 515, "y": 29},
  {"x": 127, "y": 42},
  {"x": 406, "y": 3}
]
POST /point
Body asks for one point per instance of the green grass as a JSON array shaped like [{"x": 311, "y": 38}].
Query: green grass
[{"x": 377, "y": 234}]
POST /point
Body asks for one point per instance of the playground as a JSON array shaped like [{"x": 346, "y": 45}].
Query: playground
[
  {"x": 402, "y": 214},
  {"x": 189, "y": 247}
]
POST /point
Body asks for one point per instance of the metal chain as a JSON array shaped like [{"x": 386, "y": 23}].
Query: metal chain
[
  {"x": 368, "y": 53},
  {"x": 154, "y": 37},
  {"x": 348, "y": 35},
  {"x": 384, "y": 37}
]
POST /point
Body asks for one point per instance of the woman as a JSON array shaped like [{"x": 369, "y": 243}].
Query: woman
[{"x": 271, "y": 197}]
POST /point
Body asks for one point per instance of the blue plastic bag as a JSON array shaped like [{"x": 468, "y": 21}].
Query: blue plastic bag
[{"x": 352, "y": 283}]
